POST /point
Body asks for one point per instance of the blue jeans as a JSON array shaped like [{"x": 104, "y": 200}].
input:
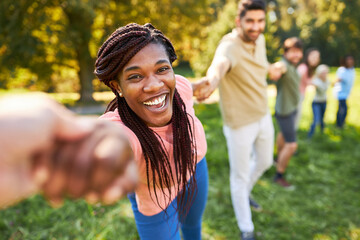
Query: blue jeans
[
  {"x": 341, "y": 114},
  {"x": 165, "y": 226},
  {"x": 318, "y": 112}
]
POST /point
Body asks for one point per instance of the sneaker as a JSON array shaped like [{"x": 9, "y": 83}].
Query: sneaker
[
  {"x": 282, "y": 182},
  {"x": 247, "y": 236},
  {"x": 254, "y": 205}
]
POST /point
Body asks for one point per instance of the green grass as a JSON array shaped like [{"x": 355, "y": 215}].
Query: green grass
[{"x": 324, "y": 206}]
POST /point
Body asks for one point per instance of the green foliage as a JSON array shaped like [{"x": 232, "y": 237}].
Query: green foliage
[
  {"x": 206, "y": 49},
  {"x": 330, "y": 25},
  {"x": 48, "y": 38},
  {"x": 51, "y": 45}
]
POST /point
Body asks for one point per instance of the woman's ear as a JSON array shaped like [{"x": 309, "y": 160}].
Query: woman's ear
[{"x": 115, "y": 85}]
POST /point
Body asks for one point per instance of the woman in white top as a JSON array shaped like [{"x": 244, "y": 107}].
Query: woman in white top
[{"x": 321, "y": 84}]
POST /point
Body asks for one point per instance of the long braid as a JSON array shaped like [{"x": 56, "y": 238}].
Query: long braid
[
  {"x": 183, "y": 134},
  {"x": 113, "y": 55}
]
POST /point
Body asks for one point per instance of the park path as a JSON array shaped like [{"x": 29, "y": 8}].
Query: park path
[{"x": 89, "y": 110}]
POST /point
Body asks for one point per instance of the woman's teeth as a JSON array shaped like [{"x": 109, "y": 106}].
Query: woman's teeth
[{"x": 156, "y": 101}]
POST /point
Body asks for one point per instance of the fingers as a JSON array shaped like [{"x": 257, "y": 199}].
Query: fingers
[
  {"x": 40, "y": 167},
  {"x": 97, "y": 167},
  {"x": 200, "y": 84},
  {"x": 70, "y": 127},
  {"x": 124, "y": 184},
  {"x": 202, "y": 89},
  {"x": 111, "y": 156},
  {"x": 59, "y": 165}
]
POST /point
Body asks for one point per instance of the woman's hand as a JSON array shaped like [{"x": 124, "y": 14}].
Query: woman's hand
[{"x": 202, "y": 89}]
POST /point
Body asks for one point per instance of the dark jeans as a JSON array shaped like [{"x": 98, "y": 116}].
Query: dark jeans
[
  {"x": 341, "y": 114},
  {"x": 318, "y": 112}
]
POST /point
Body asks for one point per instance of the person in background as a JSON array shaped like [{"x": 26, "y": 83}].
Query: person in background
[
  {"x": 306, "y": 70},
  {"x": 287, "y": 100},
  {"x": 345, "y": 80},
  {"x": 321, "y": 84},
  {"x": 239, "y": 68},
  {"x": 154, "y": 107},
  {"x": 45, "y": 148}
]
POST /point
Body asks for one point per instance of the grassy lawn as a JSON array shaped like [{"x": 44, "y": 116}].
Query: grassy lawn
[{"x": 325, "y": 204}]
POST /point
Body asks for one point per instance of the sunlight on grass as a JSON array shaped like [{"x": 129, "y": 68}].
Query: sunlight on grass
[
  {"x": 4, "y": 92},
  {"x": 104, "y": 96},
  {"x": 321, "y": 237},
  {"x": 334, "y": 138},
  {"x": 355, "y": 234},
  {"x": 71, "y": 98},
  {"x": 264, "y": 184},
  {"x": 211, "y": 234}
]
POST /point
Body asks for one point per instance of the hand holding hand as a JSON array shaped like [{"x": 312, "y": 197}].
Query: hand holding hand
[
  {"x": 202, "y": 89},
  {"x": 276, "y": 70}
]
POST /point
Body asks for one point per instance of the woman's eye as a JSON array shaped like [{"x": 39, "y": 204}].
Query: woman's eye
[
  {"x": 134, "y": 77},
  {"x": 162, "y": 69}
]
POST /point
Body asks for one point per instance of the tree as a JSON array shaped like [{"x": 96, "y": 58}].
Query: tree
[
  {"x": 215, "y": 31},
  {"x": 42, "y": 35},
  {"x": 45, "y": 36},
  {"x": 332, "y": 26}
]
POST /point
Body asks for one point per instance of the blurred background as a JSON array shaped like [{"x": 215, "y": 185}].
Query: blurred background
[{"x": 50, "y": 45}]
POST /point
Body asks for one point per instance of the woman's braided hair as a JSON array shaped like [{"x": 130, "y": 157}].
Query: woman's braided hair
[{"x": 113, "y": 55}]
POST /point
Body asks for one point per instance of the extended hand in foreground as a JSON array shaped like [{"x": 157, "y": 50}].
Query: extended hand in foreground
[{"x": 45, "y": 148}]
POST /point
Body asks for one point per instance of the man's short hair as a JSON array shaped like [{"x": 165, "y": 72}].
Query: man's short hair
[
  {"x": 246, "y": 5},
  {"x": 293, "y": 42}
]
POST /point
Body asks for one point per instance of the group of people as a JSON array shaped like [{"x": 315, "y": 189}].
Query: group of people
[
  {"x": 151, "y": 127},
  {"x": 313, "y": 73}
]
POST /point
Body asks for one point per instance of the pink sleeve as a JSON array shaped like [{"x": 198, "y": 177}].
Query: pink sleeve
[
  {"x": 304, "y": 79},
  {"x": 185, "y": 90},
  {"x": 302, "y": 69}
]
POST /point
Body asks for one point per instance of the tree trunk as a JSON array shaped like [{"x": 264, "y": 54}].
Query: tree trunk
[
  {"x": 81, "y": 18},
  {"x": 85, "y": 74}
]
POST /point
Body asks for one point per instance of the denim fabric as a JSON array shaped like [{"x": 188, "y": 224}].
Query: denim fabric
[
  {"x": 165, "y": 225},
  {"x": 341, "y": 114},
  {"x": 318, "y": 112}
]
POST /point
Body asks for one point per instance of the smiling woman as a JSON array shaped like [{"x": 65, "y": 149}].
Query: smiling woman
[
  {"x": 148, "y": 84},
  {"x": 155, "y": 108}
]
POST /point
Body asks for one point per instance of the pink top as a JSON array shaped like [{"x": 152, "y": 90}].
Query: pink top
[
  {"x": 305, "y": 80},
  {"x": 146, "y": 204}
]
